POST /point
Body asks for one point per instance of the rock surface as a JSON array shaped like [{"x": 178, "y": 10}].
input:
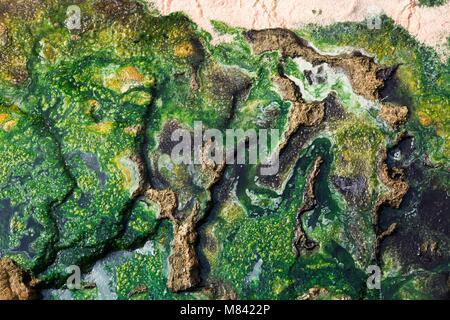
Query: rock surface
[
  {"x": 15, "y": 283},
  {"x": 301, "y": 239},
  {"x": 393, "y": 115}
]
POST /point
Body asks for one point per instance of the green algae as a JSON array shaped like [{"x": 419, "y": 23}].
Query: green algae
[
  {"x": 421, "y": 74},
  {"x": 432, "y": 3},
  {"x": 357, "y": 144},
  {"x": 66, "y": 176}
]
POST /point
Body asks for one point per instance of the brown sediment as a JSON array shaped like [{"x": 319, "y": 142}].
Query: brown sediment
[
  {"x": 167, "y": 201},
  {"x": 118, "y": 9},
  {"x": 363, "y": 72},
  {"x": 142, "y": 173},
  {"x": 393, "y": 115},
  {"x": 395, "y": 182},
  {"x": 398, "y": 187},
  {"x": 219, "y": 290},
  {"x": 4, "y": 35},
  {"x": 20, "y": 8},
  {"x": 316, "y": 293},
  {"x": 383, "y": 235},
  {"x": 366, "y": 76},
  {"x": 166, "y": 143},
  {"x": 15, "y": 282},
  {"x": 430, "y": 248},
  {"x": 210, "y": 168},
  {"x": 183, "y": 262},
  {"x": 89, "y": 285},
  {"x": 184, "y": 266},
  {"x": 301, "y": 112},
  {"x": 142, "y": 288},
  {"x": 308, "y": 114},
  {"x": 301, "y": 240},
  {"x": 313, "y": 294},
  {"x": 287, "y": 88},
  {"x": 225, "y": 82},
  {"x": 134, "y": 130}
]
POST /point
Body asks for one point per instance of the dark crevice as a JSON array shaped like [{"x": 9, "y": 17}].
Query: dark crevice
[
  {"x": 47, "y": 127},
  {"x": 215, "y": 189}
]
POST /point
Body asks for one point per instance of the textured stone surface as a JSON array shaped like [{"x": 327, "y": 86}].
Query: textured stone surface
[{"x": 15, "y": 283}]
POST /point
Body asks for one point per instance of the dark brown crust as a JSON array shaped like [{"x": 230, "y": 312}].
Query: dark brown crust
[
  {"x": 393, "y": 115},
  {"x": 219, "y": 290},
  {"x": 396, "y": 184},
  {"x": 301, "y": 240},
  {"x": 167, "y": 201},
  {"x": 366, "y": 76},
  {"x": 301, "y": 112},
  {"x": 142, "y": 173},
  {"x": 383, "y": 235},
  {"x": 398, "y": 187},
  {"x": 118, "y": 9},
  {"x": 142, "y": 288},
  {"x": 183, "y": 262},
  {"x": 15, "y": 282}
]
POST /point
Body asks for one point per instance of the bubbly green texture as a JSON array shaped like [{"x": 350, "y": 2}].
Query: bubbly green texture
[{"x": 78, "y": 108}]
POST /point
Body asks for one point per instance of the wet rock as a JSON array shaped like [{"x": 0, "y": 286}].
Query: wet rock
[
  {"x": 433, "y": 208},
  {"x": 289, "y": 155},
  {"x": 226, "y": 82},
  {"x": 393, "y": 181},
  {"x": 354, "y": 189},
  {"x": 301, "y": 240},
  {"x": 183, "y": 262},
  {"x": 421, "y": 240},
  {"x": 333, "y": 109},
  {"x": 366, "y": 76},
  {"x": 166, "y": 144},
  {"x": 401, "y": 154},
  {"x": 315, "y": 78},
  {"x": 184, "y": 266}
]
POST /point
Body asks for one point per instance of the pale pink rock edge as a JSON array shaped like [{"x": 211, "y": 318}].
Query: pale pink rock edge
[{"x": 429, "y": 25}]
